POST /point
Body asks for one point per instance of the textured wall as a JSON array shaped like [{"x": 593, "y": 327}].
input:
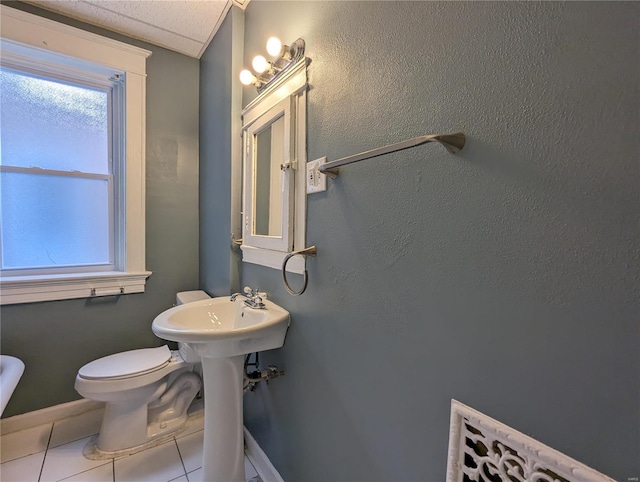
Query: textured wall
[
  {"x": 54, "y": 339},
  {"x": 505, "y": 277},
  {"x": 219, "y": 127}
]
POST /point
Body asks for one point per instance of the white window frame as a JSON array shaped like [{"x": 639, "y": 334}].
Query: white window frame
[{"x": 20, "y": 29}]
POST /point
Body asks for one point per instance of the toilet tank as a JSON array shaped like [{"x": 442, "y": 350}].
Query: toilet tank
[
  {"x": 189, "y": 296},
  {"x": 183, "y": 297}
]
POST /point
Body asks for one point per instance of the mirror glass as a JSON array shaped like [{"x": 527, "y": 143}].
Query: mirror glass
[{"x": 269, "y": 155}]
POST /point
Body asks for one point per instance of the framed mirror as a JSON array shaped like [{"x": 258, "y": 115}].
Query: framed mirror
[
  {"x": 268, "y": 166},
  {"x": 274, "y": 158}
]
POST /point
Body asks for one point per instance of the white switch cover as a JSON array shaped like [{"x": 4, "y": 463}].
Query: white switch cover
[{"x": 316, "y": 181}]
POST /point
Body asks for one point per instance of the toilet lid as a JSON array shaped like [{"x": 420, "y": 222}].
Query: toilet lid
[{"x": 127, "y": 363}]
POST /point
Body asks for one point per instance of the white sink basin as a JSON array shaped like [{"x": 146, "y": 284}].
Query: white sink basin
[
  {"x": 11, "y": 369},
  {"x": 219, "y": 327},
  {"x": 222, "y": 331}
]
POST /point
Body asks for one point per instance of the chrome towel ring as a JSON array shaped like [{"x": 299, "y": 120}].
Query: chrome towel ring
[{"x": 310, "y": 251}]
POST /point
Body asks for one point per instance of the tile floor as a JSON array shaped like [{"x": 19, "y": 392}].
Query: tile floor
[{"x": 53, "y": 452}]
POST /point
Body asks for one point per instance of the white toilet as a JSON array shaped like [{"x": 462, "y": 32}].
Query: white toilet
[{"x": 147, "y": 393}]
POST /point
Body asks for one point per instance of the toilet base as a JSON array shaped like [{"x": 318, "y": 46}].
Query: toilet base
[
  {"x": 138, "y": 419},
  {"x": 92, "y": 452},
  {"x": 193, "y": 421}
]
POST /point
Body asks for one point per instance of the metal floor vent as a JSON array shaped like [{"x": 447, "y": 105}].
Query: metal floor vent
[{"x": 482, "y": 449}]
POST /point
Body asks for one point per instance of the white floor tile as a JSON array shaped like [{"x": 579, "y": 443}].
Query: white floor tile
[
  {"x": 249, "y": 472},
  {"x": 249, "y": 469},
  {"x": 25, "y": 469},
  {"x": 67, "y": 460},
  {"x": 195, "y": 476},
  {"x": 179, "y": 460},
  {"x": 104, "y": 473},
  {"x": 75, "y": 428},
  {"x": 25, "y": 442},
  {"x": 191, "y": 450},
  {"x": 157, "y": 464}
]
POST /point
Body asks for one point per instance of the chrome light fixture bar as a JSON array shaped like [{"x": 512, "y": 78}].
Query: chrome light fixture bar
[{"x": 265, "y": 71}]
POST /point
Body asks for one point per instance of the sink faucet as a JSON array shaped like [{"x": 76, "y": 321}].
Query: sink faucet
[{"x": 254, "y": 300}]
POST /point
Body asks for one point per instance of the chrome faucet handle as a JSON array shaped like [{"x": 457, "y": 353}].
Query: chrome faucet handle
[
  {"x": 254, "y": 297},
  {"x": 255, "y": 302},
  {"x": 249, "y": 292}
]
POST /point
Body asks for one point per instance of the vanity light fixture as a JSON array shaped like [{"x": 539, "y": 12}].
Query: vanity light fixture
[
  {"x": 274, "y": 47},
  {"x": 266, "y": 71},
  {"x": 262, "y": 65},
  {"x": 247, "y": 78}
]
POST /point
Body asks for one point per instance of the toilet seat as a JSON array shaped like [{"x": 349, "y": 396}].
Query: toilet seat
[{"x": 127, "y": 364}]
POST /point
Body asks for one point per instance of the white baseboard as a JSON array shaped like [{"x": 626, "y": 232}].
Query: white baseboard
[
  {"x": 47, "y": 415},
  {"x": 259, "y": 459}
]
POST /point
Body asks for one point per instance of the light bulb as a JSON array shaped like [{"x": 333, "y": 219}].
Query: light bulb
[
  {"x": 274, "y": 46},
  {"x": 246, "y": 77},
  {"x": 260, "y": 64}
]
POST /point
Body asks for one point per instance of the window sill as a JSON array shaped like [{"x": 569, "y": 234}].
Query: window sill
[{"x": 31, "y": 289}]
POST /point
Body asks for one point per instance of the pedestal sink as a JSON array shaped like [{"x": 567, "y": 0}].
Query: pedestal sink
[{"x": 221, "y": 331}]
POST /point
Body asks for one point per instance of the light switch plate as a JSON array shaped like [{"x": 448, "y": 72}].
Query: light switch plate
[{"x": 316, "y": 181}]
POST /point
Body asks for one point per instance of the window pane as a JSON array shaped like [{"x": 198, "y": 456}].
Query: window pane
[
  {"x": 53, "y": 125},
  {"x": 52, "y": 221}
]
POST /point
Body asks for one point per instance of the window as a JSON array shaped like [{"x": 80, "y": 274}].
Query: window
[
  {"x": 56, "y": 173},
  {"x": 71, "y": 162}
]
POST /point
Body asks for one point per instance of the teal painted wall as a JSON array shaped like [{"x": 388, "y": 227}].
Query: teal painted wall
[
  {"x": 506, "y": 277},
  {"x": 219, "y": 262},
  {"x": 55, "y": 339}
]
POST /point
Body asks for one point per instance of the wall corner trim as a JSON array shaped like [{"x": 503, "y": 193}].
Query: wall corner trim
[{"x": 259, "y": 459}]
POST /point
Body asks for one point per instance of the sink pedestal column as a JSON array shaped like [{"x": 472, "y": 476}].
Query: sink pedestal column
[{"x": 223, "y": 453}]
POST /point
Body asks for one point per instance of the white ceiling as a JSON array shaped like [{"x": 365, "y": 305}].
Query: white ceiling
[{"x": 185, "y": 26}]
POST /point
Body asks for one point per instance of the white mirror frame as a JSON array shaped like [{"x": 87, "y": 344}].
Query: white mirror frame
[
  {"x": 284, "y": 240},
  {"x": 289, "y": 90}
]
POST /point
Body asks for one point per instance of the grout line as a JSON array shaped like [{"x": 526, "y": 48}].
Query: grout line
[
  {"x": 183, "y": 435},
  {"x": 184, "y": 467},
  {"x": 21, "y": 457},
  {"x": 50, "y": 437},
  {"x": 188, "y": 478},
  {"x": 185, "y": 475},
  {"x": 46, "y": 450},
  {"x": 112, "y": 460},
  {"x": 85, "y": 471},
  {"x": 68, "y": 441},
  {"x": 194, "y": 470}
]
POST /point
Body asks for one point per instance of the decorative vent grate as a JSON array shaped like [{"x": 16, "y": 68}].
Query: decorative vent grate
[{"x": 482, "y": 449}]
